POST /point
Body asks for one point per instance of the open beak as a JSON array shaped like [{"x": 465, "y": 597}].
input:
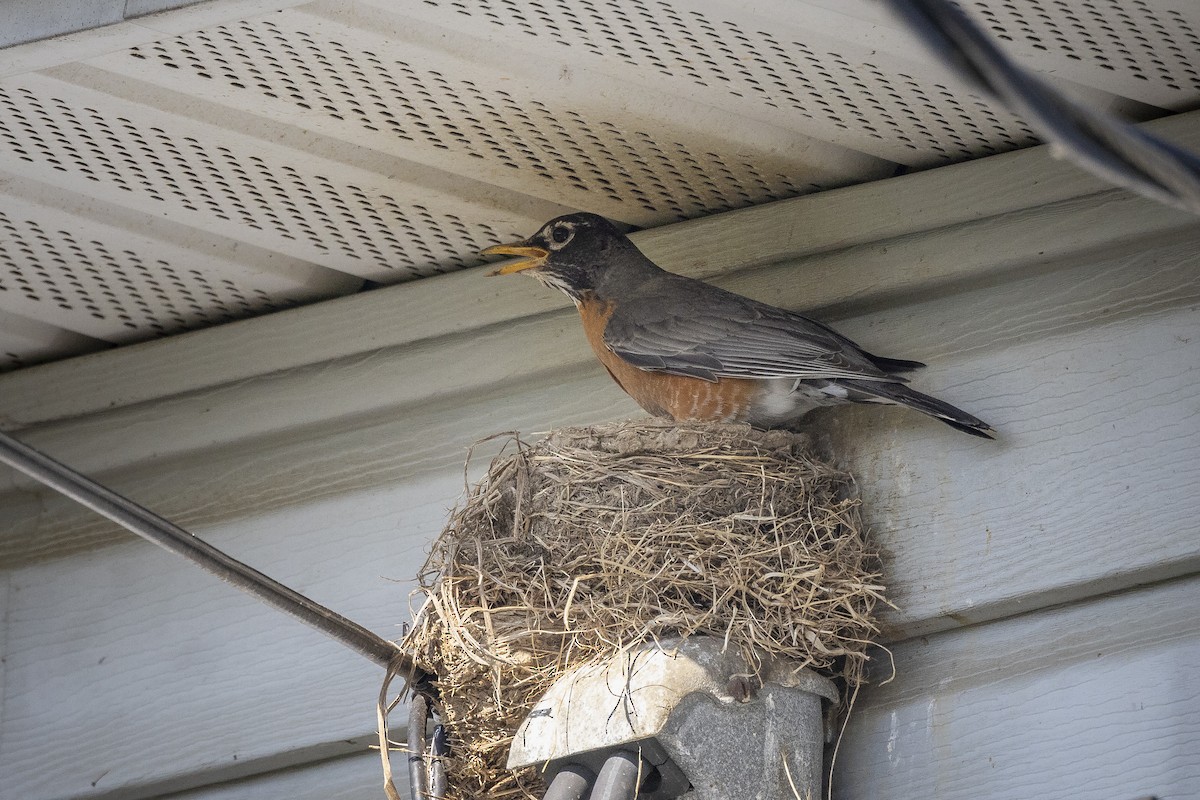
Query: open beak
[{"x": 532, "y": 256}]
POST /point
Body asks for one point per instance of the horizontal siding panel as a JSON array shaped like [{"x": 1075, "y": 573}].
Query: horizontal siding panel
[
  {"x": 173, "y": 678},
  {"x": 1094, "y": 701},
  {"x": 356, "y": 777},
  {"x": 1099, "y": 438}
]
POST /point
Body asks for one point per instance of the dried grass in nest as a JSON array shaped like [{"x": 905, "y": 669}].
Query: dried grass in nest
[{"x": 604, "y": 537}]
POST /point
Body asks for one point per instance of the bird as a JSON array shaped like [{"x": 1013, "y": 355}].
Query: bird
[{"x": 690, "y": 351}]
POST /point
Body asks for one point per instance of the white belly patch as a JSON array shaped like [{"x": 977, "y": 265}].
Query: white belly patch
[{"x": 784, "y": 399}]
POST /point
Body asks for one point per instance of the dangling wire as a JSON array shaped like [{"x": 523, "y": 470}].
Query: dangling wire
[
  {"x": 145, "y": 523},
  {"x": 1118, "y": 151}
]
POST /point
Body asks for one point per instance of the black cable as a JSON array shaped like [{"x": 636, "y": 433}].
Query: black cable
[
  {"x": 166, "y": 534},
  {"x": 1113, "y": 149},
  {"x": 439, "y": 752},
  {"x": 418, "y": 770}
]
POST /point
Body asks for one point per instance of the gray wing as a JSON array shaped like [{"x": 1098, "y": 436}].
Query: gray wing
[{"x": 708, "y": 333}]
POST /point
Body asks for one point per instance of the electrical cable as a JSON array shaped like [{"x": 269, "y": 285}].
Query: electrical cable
[
  {"x": 166, "y": 534},
  {"x": 1116, "y": 150}
]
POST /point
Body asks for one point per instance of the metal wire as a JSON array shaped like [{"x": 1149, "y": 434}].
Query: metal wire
[
  {"x": 418, "y": 768},
  {"x": 440, "y": 752},
  {"x": 166, "y": 534},
  {"x": 1113, "y": 149}
]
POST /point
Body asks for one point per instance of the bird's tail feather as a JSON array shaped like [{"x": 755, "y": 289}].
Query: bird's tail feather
[
  {"x": 902, "y": 395},
  {"x": 892, "y": 365}
]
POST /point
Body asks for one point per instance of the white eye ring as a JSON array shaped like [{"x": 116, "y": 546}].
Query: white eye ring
[{"x": 560, "y": 234}]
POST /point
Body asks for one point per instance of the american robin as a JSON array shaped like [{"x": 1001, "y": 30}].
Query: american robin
[{"x": 690, "y": 351}]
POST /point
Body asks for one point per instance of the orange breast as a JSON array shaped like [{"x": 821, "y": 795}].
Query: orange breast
[{"x": 677, "y": 396}]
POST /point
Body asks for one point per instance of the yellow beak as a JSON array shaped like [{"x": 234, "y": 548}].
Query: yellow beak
[{"x": 533, "y": 258}]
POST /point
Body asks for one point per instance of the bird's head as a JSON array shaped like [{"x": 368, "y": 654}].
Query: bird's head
[{"x": 574, "y": 253}]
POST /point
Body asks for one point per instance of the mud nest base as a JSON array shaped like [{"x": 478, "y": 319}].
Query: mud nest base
[{"x": 601, "y": 538}]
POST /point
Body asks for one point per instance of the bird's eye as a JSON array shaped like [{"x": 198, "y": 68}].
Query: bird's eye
[{"x": 560, "y": 234}]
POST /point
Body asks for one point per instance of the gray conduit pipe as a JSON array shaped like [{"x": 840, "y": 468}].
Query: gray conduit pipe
[
  {"x": 618, "y": 778},
  {"x": 571, "y": 783}
]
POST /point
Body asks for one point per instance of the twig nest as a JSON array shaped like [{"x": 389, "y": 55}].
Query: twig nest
[{"x": 601, "y": 538}]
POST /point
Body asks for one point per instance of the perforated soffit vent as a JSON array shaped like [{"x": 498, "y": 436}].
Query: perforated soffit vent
[{"x": 220, "y": 162}]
